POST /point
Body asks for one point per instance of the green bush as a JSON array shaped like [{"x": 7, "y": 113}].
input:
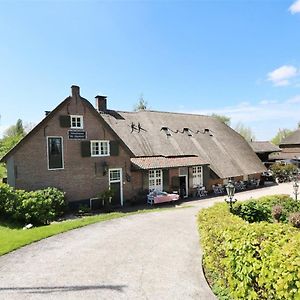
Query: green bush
[
  {"x": 8, "y": 200},
  {"x": 283, "y": 171},
  {"x": 37, "y": 207},
  {"x": 84, "y": 209},
  {"x": 252, "y": 211},
  {"x": 249, "y": 261},
  {"x": 261, "y": 209}
]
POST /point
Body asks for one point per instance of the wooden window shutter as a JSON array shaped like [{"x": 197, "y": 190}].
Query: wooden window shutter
[
  {"x": 85, "y": 148},
  {"x": 114, "y": 148},
  {"x": 145, "y": 180},
  {"x": 65, "y": 121},
  {"x": 175, "y": 182},
  {"x": 166, "y": 185}
]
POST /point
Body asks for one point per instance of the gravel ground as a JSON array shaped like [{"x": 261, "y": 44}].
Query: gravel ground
[{"x": 147, "y": 256}]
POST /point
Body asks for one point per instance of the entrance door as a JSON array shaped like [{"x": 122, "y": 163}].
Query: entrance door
[
  {"x": 115, "y": 184},
  {"x": 183, "y": 186}
]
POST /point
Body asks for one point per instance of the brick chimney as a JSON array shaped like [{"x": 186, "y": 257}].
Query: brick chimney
[
  {"x": 75, "y": 91},
  {"x": 101, "y": 104}
]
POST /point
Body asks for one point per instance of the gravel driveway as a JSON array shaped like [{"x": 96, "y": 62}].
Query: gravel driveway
[{"x": 147, "y": 256}]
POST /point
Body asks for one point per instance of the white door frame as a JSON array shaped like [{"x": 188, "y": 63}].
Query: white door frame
[
  {"x": 115, "y": 181},
  {"x": 186, "y": 186}
]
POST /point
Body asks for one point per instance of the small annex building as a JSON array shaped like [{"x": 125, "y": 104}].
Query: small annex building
[
  {"x": 289, "y": 149},
  {"x": 263, "y": 149},
  {"x": 85, "y": 150}
]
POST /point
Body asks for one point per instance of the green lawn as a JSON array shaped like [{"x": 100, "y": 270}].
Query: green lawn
[{"x": 12, "y": 236}]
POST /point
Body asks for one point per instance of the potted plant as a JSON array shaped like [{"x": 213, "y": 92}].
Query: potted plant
[{"x": 106, "y": 198}]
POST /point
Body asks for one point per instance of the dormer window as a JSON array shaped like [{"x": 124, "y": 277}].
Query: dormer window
[
  {"x": 187, "y": 131},
  {"x": 76, "y": 122},
  {"x": 166, "y": 130}
]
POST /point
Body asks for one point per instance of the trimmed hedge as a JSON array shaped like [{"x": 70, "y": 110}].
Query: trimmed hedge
[
  {"x": 249, "y": 260},
  {"x": 37, "y": 207}
]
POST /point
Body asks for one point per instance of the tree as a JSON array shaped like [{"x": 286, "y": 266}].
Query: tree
[
  {"x": 281, "y": 134},
  {"x": 15, "y": 130},
  {"x": 11, "y": 137},
  {"x": 222, "y": 118},
  {"x": 244, "y": 131},
  {"x": 142, "y": 104}
]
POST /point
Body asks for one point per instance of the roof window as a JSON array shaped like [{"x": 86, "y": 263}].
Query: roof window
[{"x": 166, "y": 130}]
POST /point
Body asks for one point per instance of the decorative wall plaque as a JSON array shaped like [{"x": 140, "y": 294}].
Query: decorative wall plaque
[{"x": 77, "y": 135}]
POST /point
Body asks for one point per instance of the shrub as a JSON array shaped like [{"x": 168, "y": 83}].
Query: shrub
[
  {"x": 8, "y": 200},
  {"x": 252, "y": 211},
  {"x": 261, "y": 209},
  {"x": 283, "y": 171},
  {"x": 37, "y": 207},
  {"x": 84, "y": 209},
  {"x": 106, "y": 197},
  {"x": 277, "y": 212},
  {"x": 249, "y": 261},
  {"x": 294, "y": 219}
]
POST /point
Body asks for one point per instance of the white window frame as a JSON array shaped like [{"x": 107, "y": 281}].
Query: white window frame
[
  {"x": 81, "y": 121},
  {"x": 99, "y": 142},
  {"x": 155, "y": 177},
  {"x": 197, "y": 172},
  {"x": 62, "y": 152}
]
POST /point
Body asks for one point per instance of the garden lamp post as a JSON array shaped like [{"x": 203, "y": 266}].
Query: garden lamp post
[
  {"x": 230, "y": 189},
  {"x": 296, "y": 187}
]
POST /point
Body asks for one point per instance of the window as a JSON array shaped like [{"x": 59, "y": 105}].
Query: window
[
  {"x": 76, "y": 122},
  {"x": 197, "y": 176},
  {"x": 114, "y": 175},
  {"x": 55, "y": 153},
  {"x": 100, "y": 148},
  {"x": 155, "y": 180}
]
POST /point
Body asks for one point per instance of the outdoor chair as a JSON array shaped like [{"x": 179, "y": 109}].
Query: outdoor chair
[
  {"x": 217, "y": 190},
  {"x": 221, "y": 188},
  {"x": 201, "y": 192},
  {"x": 240, "y": 186}
]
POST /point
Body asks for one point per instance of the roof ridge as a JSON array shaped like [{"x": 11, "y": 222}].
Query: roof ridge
[
  {"x": 165, "y": 112},
  {"x": 261, "y": 142}
]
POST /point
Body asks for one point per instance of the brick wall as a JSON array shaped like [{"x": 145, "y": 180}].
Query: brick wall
[{"x": 78, "y": 178}]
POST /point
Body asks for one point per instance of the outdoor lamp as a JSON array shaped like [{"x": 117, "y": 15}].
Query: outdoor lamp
[
  {"x": 296, "y": 187},
  {"x": 105, "y": 168},
  {"x": 230, "y": 189}
]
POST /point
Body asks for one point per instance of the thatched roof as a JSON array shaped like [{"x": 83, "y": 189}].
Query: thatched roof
[
  {"x": 263, "y": 146},
  {"x": 152, "y": 133},
  {"x": 293, "y": 139}
]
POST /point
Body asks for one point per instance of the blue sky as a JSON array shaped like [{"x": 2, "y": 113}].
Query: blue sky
[{"x": 239, "y": 58}]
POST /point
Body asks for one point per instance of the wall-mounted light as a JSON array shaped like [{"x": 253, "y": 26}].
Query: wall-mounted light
[{"x": 104, "y": 168}]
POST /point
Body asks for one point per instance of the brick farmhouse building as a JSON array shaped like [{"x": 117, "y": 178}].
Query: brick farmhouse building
[{"x": 85, "y": 150}]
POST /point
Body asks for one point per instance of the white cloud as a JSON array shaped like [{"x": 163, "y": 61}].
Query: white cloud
[
  {"x": 282, "y": 75},
  {"x": 267, "y": 102},
  {"x": 295, "y": 7},
  {"x": 294, "y": 100}
]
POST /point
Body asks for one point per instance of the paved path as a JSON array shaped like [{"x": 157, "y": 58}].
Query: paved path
[{"x": 149, "y": 256}]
